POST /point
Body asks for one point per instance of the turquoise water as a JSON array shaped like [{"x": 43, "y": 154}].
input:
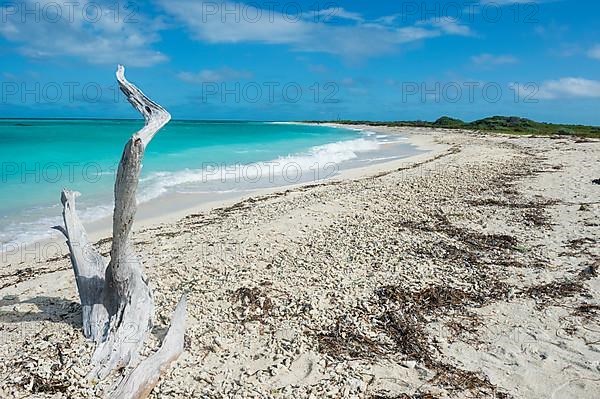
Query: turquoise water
[{"x": 40, "y": 157}]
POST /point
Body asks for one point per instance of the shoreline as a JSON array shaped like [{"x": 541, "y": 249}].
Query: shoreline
[
  {"x": 472, "y": 271},
  {"x": 172, "y": 207},
  {"x": 422, "y": 143}
]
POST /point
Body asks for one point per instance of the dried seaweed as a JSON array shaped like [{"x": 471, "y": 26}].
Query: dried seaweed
[
  {"x": 402, "y": 316},
  {"x": 47, "y": 385},
  {"x": 537, "y": 217},
  {"x": 407, "y": 332},
  {"x": 438, "y": 299},
  {"x": 344, "y": 340},
  {"x": 581, "y": 243},
  {"x": 457, "y": 380},
  {"x": 587, "y": 311},
  {"x": 406, "y": 396},
  {"x": 534, "y": 212},
  {"x": 26, "y": 274},
  {"x": 255, "y": 305},
  {"x": 465, "y": 329},
  {"x": 474, "y": 241},
  {"x": 39, "y": 384},
  {"x": 506, "y": 203},
  {"x": 547, "y": 293}
]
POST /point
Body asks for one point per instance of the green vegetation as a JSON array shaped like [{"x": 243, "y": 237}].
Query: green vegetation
[{"x": 496, "y": 124}]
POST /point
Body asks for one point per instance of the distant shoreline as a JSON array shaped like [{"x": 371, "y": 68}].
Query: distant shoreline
[
  {"x": 494, "y": 124},
  {"x": 443, "y": 122}
]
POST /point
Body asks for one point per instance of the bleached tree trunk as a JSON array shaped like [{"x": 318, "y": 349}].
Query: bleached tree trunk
[
  {"x": 140, "y": 382},
  {"x": 89, "y": 267},
  {"x": 117, "y": 302}
]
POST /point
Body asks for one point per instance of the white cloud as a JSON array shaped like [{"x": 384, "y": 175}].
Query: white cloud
[
  {"x": 337, "y": 12},
  {"x": 490, "y": 59},
  {"x": 88, "y": 30},
  {"x": 244, "y": 24},
  {"x": 449, "y": 26},
  {"x": 594, "y": 52},
  {"x": 561, "y": 89},
  {"x": 214, "y": 75},
  {"x": 388, "y": 19},
  {"x": 570, "y": 88},
  {"x": 354, "y": 38}
]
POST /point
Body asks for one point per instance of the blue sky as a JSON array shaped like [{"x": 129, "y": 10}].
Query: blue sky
[{"x": 297, "y": 60}]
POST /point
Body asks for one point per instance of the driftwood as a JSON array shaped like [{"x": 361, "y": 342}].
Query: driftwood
[
  {"x": 144, "y": 378},
  {"x": 89, "y": 267},
  {"x": 117, "y": 303}
]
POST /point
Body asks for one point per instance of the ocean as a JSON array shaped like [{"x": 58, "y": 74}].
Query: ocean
[{"x": 41, "y": 157}]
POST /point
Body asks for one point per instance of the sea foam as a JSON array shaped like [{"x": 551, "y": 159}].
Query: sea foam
[{"x": 315, "y": 164}]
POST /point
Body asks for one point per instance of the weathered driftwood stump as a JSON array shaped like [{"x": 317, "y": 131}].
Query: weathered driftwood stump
[{"x": 116, "y": 300}]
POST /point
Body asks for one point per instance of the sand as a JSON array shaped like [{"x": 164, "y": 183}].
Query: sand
[{"x": 469, "y": 271}]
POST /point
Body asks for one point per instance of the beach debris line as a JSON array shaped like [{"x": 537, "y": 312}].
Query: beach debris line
[{"x": 117, "y": 303}]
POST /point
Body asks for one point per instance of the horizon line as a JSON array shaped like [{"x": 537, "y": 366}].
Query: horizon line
[{"x": 264, "y": 120}]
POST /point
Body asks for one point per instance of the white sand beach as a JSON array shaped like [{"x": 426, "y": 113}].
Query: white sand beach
[{"x": 468, "y": 271}]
